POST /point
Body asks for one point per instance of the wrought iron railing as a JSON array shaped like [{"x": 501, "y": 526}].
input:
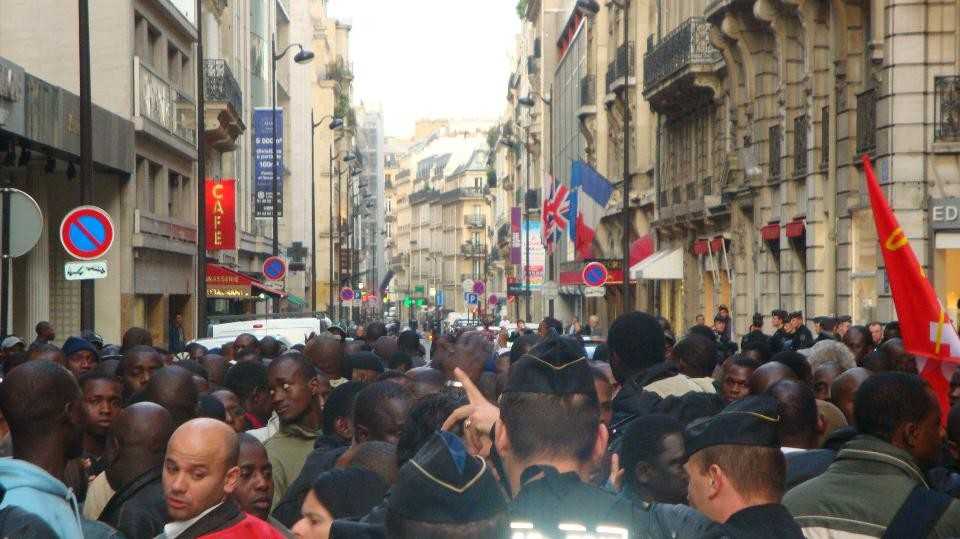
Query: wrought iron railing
[
  {"x": 475, "y": 221},
  {"x": 947, "y": 108},
  {"x": 160, "y": 102},
  {"x": 588, "y": 85},
  {"x": 867, "y": 121},
  {"x": 707, "y": 186},
  {"x": 825, "y": 137},
  {"x": 692, "y": 191},
  {"x": 800, "y": 128},
  {"x": 687, "y": 44},
  {"x": 677, "y": 195},
  {"x": 220, "y": 85},
  {"x": 470, "y": 249},
  {"x": 626, "y": 60},
  {"x": 611, "y": 74},
  {"x": 775, "y": 145},
  {"x": 662, "y": 198}
]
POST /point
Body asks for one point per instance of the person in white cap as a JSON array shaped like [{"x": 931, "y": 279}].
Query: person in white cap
[{"x": 10, "y": 346}]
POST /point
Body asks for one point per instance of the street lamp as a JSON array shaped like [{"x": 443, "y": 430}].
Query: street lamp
[
  {"x": 346, "y": 159},
  {"x": 335, "y": 123},
  {"x": 302, "y": 57},
  {"x": 529, "y": 101}
]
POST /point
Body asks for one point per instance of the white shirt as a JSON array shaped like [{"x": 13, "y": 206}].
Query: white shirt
[{"x": 174, "y": 529}]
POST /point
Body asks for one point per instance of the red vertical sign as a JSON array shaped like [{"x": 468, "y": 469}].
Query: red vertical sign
[{"x": 221, "y": 212}]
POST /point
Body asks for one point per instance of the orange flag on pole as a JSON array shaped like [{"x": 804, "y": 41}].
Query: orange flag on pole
[{"x": 926, "y": 329}]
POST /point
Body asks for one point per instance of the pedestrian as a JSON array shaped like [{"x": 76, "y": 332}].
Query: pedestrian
[
  {"x": 800, "y": 430},
  {"x": 736, "y": 471},
  {"x": 217, "y": 366},
  {"x": 699, "y": 320},
  {"x": 844, "y": 389},
  {"x": 828, "y": 330},
  {"x": 768, "y": 374},
  {"x": 10, "y": 346},
  {"x": 79, "y": 356},
  {"x": 42, "y": 404},
  {"x": 135, "y": 336},
  {"x": 45, "y": 334},
  {"x": 364, "y": 366},
  {"x": 946, "y": 477},
  {"x": 346, "y": 494},
  {"x": 442, "y": 494},
  {"x": 248, "y": 381},
  {"x": 652, "y": 458},
  {"x": 859, "y": 341},
  {"x": 876, "y": 333},
  {"x": 604, "y": 383},
  {"x": 254, "y": 492},
  {"x": 876, "y": 487},
  {"x": 695, "y": 357},
  {"x": 295, "y": 391},
  {"x": 174, "y": 389},
  {"x": 135, "y": 451},
  {"x": 176, "y": 339},
  {"x": 248, "y": 343},
  {"x": 101, "y": 405},
  {"x": 234, "y": 413},
  {"x": 843, "y": 324},
  {"x": 800, "y": 335},
  {"x": 735, "y": 381},
  {"x": 326, "y": 352},
  {"x": 200, "y": 473},
  {"x": 723, "y": 313},
  {"x": 136, "y": 367},
  {"x": 338, "y": 417}
]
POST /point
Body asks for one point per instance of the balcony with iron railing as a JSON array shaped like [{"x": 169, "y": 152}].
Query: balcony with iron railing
[
  {"x": 161, "y": 109},
  {"x": 220, "y": 86},
  {"x": 223, "y": 115},
  {"x": 867, "y": 121},
  {"x": 473, "y": 250},
  {"x": 611, "y": 75},
  {"x": 475, "y": 221},
  {"x": 946, "y": 109},
  {"x": 670, "y": 67},
  {"x": 588, "y": 91},
  {"x": 462, "y": 193}
]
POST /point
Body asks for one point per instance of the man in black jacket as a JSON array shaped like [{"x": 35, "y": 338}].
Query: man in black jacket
[
  {"x": 801, "y": 338},
  {"x": 636, "y": 345},
  {"x": 135, "y": 448}
]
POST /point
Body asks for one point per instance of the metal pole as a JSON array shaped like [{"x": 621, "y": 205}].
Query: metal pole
[
  {"x": 5, "y": 268},
  {"x": 339, "y": 243},
  {"x": 627, "y": 291},
  {"x": 313, "y": 216},
  {"x": 201, "y": 186},
  {"x": 330, "y": 173},
  {"x": 87, "y": 296},
  {"x": 273, "y": 111},
  {"x": 526, "y": 228},
  {"x": 550, "y": 259}
]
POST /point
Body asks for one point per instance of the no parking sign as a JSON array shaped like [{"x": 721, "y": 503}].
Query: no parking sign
[{"x": 87, "y": 233}]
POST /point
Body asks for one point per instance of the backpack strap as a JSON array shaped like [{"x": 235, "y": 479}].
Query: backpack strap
[{"x": 919, "y": 514}]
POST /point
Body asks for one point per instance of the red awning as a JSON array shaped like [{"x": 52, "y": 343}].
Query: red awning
[
  {"x": 716, "y": 244},
  {"x": 700, "y": 248},
  {"x": 796, "y": 229},
  {"x": 218, "y": 275},
  {"x": 640, "y": 249},
  {"x": 771, "y": 232}
]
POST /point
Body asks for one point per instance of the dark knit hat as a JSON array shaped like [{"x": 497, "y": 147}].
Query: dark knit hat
[
  {"x": 365, "y": 361},
  {"x": 443, "y": 483},
  {"x": 557, "y": 366},
  {"x": 76, "y": 344},
  {"x": 754, "y": 420}
]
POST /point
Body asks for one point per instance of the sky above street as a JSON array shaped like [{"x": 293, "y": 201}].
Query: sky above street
[{"x": 430, "y": 58}]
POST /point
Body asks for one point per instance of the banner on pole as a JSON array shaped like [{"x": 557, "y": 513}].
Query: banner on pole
[{"x": 263, "y": 165}]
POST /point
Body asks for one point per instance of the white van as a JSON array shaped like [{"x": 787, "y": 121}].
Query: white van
[{"x": 293, "y": 330}]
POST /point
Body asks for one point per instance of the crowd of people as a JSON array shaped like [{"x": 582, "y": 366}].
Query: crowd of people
[{"x": 481, "y": 434}]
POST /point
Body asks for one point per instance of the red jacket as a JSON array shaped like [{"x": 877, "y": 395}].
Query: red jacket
[{"x": 250, "y": 527}]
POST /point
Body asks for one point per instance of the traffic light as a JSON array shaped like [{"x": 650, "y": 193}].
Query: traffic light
[{"x": 408, "y": 301}]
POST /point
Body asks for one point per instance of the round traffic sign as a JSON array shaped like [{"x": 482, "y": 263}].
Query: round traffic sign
[
  {"x": 479, "y": 287},
  {"x": 467, "y": 286},
  {"x": 87, "y": 232},
  {"x": 493, "y": 299},
  {"x": 346, "y": 294},
  {"x": 595, "y": 274},
  {"x": 274, "y": 268},
  {"x": 26, "y": 222}
]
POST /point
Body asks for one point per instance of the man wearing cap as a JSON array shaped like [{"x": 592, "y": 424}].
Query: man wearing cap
[
  {"x": 736, "y": 471},
  {"x": 443, "y": 491},
  {"x": 11, "y": 345},
  {"x": 80, "y": 356},
  {"x": 546, "y": 467},
  {"x": 778, "y": 319},
  {"x": 801, "y": 337}
]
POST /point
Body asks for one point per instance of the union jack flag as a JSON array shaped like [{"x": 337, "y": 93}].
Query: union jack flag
[{"x": 556, "y": 208}]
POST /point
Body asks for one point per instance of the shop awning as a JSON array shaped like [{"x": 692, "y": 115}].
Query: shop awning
[
  {"x": 663, "y": 265},
  {"x": 771, "y": 232},
  {"x": 796, "y": 229},
  {"x": 296, "y": 300},
  {"x": 226, "y": 283}
]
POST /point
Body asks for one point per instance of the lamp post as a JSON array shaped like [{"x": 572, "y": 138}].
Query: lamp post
[
  {"x": 548, "y": 103},
  {"x": 335, "y": 123},
  {"x": 346, "y": 159},
  {"x": 627, "y": 228},
  {"x": 301, "y": 57}
]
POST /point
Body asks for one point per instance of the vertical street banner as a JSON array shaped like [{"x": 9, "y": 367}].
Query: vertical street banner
[
  {"x": 532, "y": 233},
  {"x": 515, "y": 247},
  {"x": 220, "y": 205},
  {"x": 263, "y": 165}
]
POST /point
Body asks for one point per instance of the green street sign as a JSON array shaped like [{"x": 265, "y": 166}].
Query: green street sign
[
  {"x": 408, "y": 302},
  {"x": 421, "y": 302},
  {"x": 418, "y": 289}
]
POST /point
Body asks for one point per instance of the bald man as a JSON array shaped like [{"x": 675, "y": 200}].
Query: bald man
[
  {"x": 200, "y": 472},
  {"x": 768, "y": 374},
  {"x": 326, "y": 353},
  {"x": 134, "y": 456},
  {"x": 844, "y": 389},
  {"x": 173, "y": 388}
]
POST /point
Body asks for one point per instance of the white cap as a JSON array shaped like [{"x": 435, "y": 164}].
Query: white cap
[{"x": 10, "y": 342}]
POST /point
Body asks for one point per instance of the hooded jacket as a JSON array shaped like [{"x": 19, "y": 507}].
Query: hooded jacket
[{"x": 34, "y": 490}]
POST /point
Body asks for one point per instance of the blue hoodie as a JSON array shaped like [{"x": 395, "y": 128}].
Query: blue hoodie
[{"x": 33, "y": 489}]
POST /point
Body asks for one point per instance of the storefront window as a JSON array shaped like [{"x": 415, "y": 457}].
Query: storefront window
[{"x": 863, "y": 276}]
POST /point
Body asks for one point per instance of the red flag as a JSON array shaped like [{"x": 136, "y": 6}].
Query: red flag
[{"x": 927, "y": 331}]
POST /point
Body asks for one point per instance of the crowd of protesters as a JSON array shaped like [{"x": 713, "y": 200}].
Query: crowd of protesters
[{"x": 661, "y": 433}]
